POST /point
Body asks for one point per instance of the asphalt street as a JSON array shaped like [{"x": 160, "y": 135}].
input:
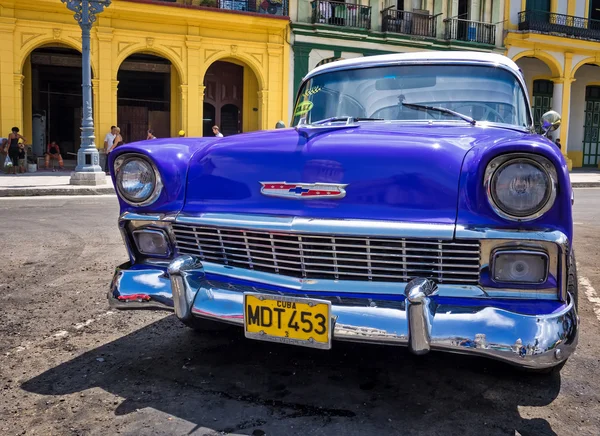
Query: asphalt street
[{"x": 69, "y": 365}]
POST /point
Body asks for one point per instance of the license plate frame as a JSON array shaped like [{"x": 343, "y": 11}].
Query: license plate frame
[{"x": 262, "y": 336}]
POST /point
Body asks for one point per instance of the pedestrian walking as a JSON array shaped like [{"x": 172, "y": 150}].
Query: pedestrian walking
[
  {"x": 109, "y": 139},
  {"x": 53, "y": 152},
  {"x": 118, "y": 139},
  {"x": 13, "y": 149},
  {"x": 216, "y": 132}
]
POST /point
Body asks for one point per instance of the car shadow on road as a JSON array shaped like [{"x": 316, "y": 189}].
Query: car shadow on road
[{"x": 222, "y": 379}]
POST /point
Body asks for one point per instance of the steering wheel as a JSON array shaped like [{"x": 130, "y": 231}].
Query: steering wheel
[{"x": 487, "y": 112}]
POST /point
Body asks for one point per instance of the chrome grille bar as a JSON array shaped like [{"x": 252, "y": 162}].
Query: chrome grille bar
[{"x": 333, "y": 257}]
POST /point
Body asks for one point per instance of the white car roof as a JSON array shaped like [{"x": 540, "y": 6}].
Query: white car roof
[{"x": 424, "y": 56}]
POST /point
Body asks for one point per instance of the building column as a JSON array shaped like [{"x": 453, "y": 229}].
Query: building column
[
  {"x": 7, "y": 84},
  {"x": 18, "y": 102},
  {"x": 99, "y": 137},
  {"x": 27, "y": 101},
  {"x": 566, "y": 107},
  {"x": 201, "y": 90},
  {"x": 263, "y": 106},
  {"x": 301, "y": 56},
  {"x": 276, "y": 85},
  {"x": 557, "y": 103},
  {"x": 565, "y": 117},
  {"x": 194, "y": 116},
  {"x": 183, "y": 98},
  {"x": 114, "y": 101},
  {"x": 105, "y": 89}
]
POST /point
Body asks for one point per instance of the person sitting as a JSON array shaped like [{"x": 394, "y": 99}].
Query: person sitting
[{"x": 53, "y": 152}]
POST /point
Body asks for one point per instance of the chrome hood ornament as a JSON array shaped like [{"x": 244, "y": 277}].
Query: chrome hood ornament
[{"x": 303, "y": 191}]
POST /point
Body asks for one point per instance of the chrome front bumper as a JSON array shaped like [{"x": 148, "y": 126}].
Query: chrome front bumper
[{"x": 530, "y": 334}]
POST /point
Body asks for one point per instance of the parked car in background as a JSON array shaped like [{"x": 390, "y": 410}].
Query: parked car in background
[{"x": 411, "y": 203}]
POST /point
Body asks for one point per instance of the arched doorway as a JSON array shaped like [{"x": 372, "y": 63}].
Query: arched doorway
[
  {"x": 144, "y": 97},
  {"x": 537, "y": 76},
  {"x": 584, "y": 117},
  {"x": 223, "y": 98},
  {"x": 53, "y": 77}
]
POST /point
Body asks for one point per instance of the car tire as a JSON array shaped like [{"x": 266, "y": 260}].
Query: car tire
[{"x": 206, "y": 325}]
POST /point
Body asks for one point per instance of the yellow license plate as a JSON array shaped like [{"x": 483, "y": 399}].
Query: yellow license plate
[{"x": 289, "y": 320}]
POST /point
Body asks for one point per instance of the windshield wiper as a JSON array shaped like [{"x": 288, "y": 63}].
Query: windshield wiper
[
  {"x": 348, "y": 120},
  {"x": 440, "y": 109}
]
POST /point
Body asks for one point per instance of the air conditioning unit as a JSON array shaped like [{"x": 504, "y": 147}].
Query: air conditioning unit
[{"x": 271, "y": 7}]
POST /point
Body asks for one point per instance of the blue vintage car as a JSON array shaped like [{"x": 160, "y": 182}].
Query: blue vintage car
[{"x": 411, "y": 203}]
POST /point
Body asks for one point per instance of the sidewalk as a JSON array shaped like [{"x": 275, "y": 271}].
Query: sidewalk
[
  {"x": 48, "y": 183},
  {"x": 57, "y": 183}
]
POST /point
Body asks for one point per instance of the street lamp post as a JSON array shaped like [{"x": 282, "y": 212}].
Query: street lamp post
[{"x": 88, "y": 170}]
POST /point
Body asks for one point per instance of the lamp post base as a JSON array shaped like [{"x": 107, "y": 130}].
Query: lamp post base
[{"x": 88, "y": 178}]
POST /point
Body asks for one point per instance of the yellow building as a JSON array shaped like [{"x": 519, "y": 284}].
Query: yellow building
[
  {"x": 557, "y": 45},
  {"x": 160, "y": 64}
]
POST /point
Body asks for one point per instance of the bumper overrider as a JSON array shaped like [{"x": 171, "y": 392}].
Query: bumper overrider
[{"x": 527, "y": 333}]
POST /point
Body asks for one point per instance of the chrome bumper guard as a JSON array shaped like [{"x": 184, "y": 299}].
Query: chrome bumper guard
[{"x": 418, "y": 320}]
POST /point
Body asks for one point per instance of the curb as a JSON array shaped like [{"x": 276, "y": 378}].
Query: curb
[
  {"x": 585, "y": 184},
  {"x": 37, "y": 192}
]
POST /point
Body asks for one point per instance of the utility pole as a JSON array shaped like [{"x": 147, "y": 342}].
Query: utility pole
[{"x": 88, "y": 170}]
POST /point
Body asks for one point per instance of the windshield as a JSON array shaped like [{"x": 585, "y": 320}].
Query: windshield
[{"x": 483, "y": 93}]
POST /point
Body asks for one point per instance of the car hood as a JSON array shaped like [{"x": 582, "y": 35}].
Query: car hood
[{"x": 391, "y": 172}]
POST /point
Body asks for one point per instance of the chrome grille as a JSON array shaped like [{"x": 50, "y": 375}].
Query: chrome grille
[{"x": 333, "y": 257}]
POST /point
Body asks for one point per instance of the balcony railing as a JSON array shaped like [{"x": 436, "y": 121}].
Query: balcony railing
[
  {"x": 267, "y": 7},
  {"x": 549, "y": 22},
  {"x": 408, "y": 23},
  {"x": 473, "y": 31},
  {"x": 341, "y": 14}
]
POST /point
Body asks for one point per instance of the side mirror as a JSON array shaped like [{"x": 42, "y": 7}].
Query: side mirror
[{"x": 550, "y": 122}]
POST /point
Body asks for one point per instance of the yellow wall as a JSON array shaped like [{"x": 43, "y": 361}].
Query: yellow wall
[
  {"x": 576, "y": 157},
  {"x": 563, "y": 56},
  {"x": 191, "y": 39}
]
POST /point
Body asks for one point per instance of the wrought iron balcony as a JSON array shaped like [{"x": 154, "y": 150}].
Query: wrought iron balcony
[
  {"x": 267, "y": 7},
  {"x": 472, "y": 31},
  {"x": 341, "y": 14},
  {"x": 568, "y": 25},
  {"x": 408, "y": 23}
]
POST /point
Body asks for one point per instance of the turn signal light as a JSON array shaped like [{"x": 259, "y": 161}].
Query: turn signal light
[
  {"x": 152, "y": 242},
  {"x": 520, "y": 266}
]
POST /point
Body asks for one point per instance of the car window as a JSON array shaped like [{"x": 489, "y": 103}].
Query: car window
[{"x": 481, "y": 92}]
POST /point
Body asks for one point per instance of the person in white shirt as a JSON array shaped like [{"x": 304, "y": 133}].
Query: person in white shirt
[
  {"x": 109, "y": 139},
  {"x": 216, "y": 132}
]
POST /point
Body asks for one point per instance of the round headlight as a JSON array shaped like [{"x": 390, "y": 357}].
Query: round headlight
[
  {"x": 137, "y": 180},
  {"x": 521, "y": 188}
]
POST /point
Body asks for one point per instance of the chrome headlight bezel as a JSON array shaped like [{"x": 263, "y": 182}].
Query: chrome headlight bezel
[
  {"x": 540, "y": 162},
  {"x": 158, "y": 185}
]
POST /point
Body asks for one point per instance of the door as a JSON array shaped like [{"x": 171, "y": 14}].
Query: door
[
  {"x": 594, "y": 15},
  {"x": 538, "y": 5},
  {"x": 223, "y": 100},
  {"x": 542, "y": 100},
  {"x": 462, "y": 27},
  {"x": 591, "y": 143}
]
